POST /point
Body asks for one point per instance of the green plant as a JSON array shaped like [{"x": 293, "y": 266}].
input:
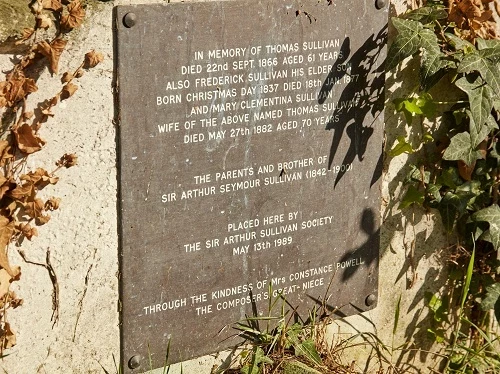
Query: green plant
[
  {"x": 284, "y": 334},
  {"x": 455, "y": 142}
]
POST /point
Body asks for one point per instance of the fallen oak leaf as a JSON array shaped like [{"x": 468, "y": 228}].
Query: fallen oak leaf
[
  {"x": 27, "y": 141},
  {"x": 75, "y": 15}
]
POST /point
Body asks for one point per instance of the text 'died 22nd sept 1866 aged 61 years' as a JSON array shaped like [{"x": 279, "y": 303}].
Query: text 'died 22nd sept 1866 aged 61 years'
[{"x": 250, "y": 161}]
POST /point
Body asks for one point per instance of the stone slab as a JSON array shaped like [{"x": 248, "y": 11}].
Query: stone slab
[{"x": 250, "y": 160}]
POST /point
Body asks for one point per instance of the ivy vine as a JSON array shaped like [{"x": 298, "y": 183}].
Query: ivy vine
[{"x": 457, "y": 172}]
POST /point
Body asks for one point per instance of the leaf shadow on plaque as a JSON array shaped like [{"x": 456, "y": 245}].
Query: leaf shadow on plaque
[
  {"x": 368, "y": 252},
  {"x": 355, "y": 104}
]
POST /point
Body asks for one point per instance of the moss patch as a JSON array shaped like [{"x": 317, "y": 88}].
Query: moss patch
[{"x": 15, "y": 15}]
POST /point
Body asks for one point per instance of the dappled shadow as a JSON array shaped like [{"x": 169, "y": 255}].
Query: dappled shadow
[{"x": 363, "y": 94}]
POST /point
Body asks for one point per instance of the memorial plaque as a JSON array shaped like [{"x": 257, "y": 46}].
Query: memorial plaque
[{"x": 250, "y": 158}]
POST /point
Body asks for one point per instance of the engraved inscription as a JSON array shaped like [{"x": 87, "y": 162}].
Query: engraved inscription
[{"x": 249, "y": 153}]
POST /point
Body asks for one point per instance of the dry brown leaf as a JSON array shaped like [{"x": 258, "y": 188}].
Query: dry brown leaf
[
  {"x": 5, "y": 186},
  {"x": 3, "y": 101},
  {"x": 43, "y": 21},
  {"x": 8, "y": 210},
  {"x": 14, "y": 302},
  {"x": 67, "y": 160},
  {"x": 40, "y": 178},
  {"x": 52, "y": 51},
  {"x": 52, "y": 5},
  {"x": 17, "y": 87},
  {"x": 52, "y": 203},
  {"x": 5, "y": 152},
  {"x": 465, "y": 170},
  {"x": 79, "y": 73},
  {"x": 66, "y": 77},
  {"x": 36, "y": 6},
  {"x": 4, "y": 283},
  {"x": 6, "y": 231},
  {"x": 93, "y": 58},
  {"x": 29, "y": 86},
  {"x": 27, "y": 141},
  {"x": 35, "y": 209},
  {"x": 7, "y": 336},
  {"x": 75, "y": 15},
  {"x": 25, "y": 35},
  {"x": 28, "y": 231},
  {"x": 68, "y": 90},
  {"x": 23, "y": 192},
  {"x": 470, "y": 8}
]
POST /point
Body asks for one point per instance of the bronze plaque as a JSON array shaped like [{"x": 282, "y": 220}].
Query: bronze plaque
[{"x": 250, "y": 145}]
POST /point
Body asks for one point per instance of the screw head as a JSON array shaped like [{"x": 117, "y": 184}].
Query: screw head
[
  {"x": 134, "y": 362},
  {"x": 380, "y": 4},
  {"x": 129, "y": 20},
  {"x": 370, "y": 300}
]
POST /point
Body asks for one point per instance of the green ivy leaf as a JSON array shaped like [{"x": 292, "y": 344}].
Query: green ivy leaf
[
  {"x": 432, "y": 68},
  {"x": 480, "y": 98},
  {"x": 453, "y": 206},
  {"x": 412, "y": 196},
  {"x": 407, "y": 42},
  {"x": 461, "y": 148},
  {"x": 422, "y": 105},
  {"x": 427, "y": 14},
  {"x": 479, "y": 133},
  {"x": 492, "y": 299},
  {"x": 490, "y": 43},
  {"x": 402, "y": 147},
  {"x": 434, "y": 190},
  {"x": 416, "y": 175},
  {"x": 426, "y": 105},
  {"x": 433, "y": 60},
  {"x": 484, "y": 62},
  {"x": 450, "y": 178},
  {"x": 459, "y": 43},
  {"x": 491, "y": 215}
]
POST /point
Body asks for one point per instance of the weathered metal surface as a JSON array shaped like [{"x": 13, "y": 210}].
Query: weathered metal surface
[{"x": 250, "y": 155}]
